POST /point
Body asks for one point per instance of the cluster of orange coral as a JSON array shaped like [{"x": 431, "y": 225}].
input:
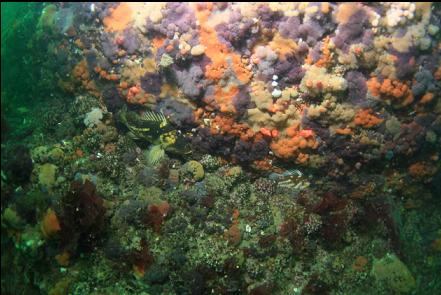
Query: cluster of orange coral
[
  {"x": 81, "y": 74},
  {"x": 224, "y": 96},
  {"x": 393, "y": 90},
  {"x": 263, "y": 165},
  {"x": 346, "y": 11},
  {"x": 136, "y": 95},
  {"x": 428, "y": 97},
  {"x": 284, "y": 47},
  {"x": 50, "y": 224},
  {"x": 295, "y": 140},
  {"x": 217, "y": 51},
  {"x": 325, "y": 60},
  {"x": 421, "y": 170},
  {"x": 119, "y": 18},
  {"x": 343, "y": 131},
  {"x": 105, "y": 75},
  {"x": 227, "y": 125},
  {"x": 366, "y": 119}
]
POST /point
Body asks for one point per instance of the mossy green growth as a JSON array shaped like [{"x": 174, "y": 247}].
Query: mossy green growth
[
  {"x": 215, "y": 185},
  {"x": 234, "y": 173},
  {"x": 150, "y": 195},
  {"x": 192, "y": 170},
  {"x": 10, "y": 218},
  {"x": 392, "y": 272},
  {"x": 46, "y": 175},
  {"x": 56, "y": 154},
  {"x": 40, "y": 154}
]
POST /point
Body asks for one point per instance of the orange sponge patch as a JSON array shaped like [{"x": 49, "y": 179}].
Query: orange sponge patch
[
  {"x": 50, "y": 224},
  {"x": 119, "y": 19},
  {"x": 365, "y": 118}
]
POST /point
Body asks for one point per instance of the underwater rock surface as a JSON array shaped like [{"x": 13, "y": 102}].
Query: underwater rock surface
[{"x": 221, "y": 148}]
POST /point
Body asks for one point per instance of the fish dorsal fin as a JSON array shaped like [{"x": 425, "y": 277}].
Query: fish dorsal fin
[{"x": 154, "y": 116}]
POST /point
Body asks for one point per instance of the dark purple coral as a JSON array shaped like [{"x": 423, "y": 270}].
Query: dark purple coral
[
  {"x": 178, "y": 18},
  {"x": 355, "y": 30},
  {"x": 405, "y": 64},
  {"x": 112, "y": 98},
  {"x": 309, "y": 31},
  {"x": 130, "y": 41},
  {"x": 269, "y": 19},
  {"x": 357, "y": 88},
  {"x": 178, "y": 114},
  {"x": 108, "y": 46},
  {"x": 191, "y": 81},
  {"x": 238, "y": 32},
  {"x": 246, "y": 152},
  {"x": 242, "y": 101},
  {"x": 151, "y": 83},
  {"x": 290, "y": 72},
  {"x": 83, "y": 217},
  {"x": 206, "y": 143},
  {"x": 288, "y": 27}
]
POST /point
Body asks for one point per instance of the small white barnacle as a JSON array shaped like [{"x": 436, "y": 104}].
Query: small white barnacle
[{"x": 248, "y": 228}]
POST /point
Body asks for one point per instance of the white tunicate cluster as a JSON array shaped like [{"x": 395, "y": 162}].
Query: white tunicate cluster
[
  {"x": 399, "y": 13},
  {"x": 276, "y": 93},
  {"x": 375, "y": 20},
  {"x": 93, "y": 117}
]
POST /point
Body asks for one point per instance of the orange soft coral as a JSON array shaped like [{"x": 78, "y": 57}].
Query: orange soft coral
[
  {"x": 283, "y": 47},
  {"x": 105, "y": 75},
  {"x": 224, "y": 96},
  {"x": 81, "y": 74},
  {"x": 119, "y": 18},
  {"x": 343, "y": 131},
  {"x": 346, "y": 11},
  {"x": 227, "y": 125},
  {"x": 50, "y": 224},
  {"x": 428, "y": 97},
  {"x": 263, "y": 165},
  {"x": 295, "y": 140},
  {"x": 422, "y": 170},
  {"x": 366, "y": 119},
  {"x": 219, "y": 54},
  {"x": 326, "y": 57},
  {"x": 136, "y": 95},
  {"x": 391, "y": 90}
]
